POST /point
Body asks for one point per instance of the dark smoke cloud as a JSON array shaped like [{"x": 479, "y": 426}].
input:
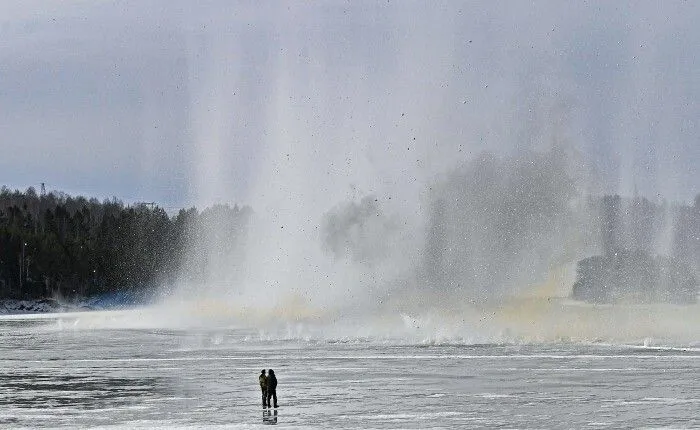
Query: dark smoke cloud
[
  {"x": 497, "y": 223},
  {"x": 358, "y": 231}
]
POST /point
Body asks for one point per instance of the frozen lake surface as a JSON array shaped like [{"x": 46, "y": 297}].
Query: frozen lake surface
[{"x": 55, "y": 374}]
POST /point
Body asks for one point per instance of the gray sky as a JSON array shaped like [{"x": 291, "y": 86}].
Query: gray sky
[{"x": 308, "y": 103}]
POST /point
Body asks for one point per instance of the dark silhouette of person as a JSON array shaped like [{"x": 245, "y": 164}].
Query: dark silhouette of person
[
  {"x": 271, "y": 387},
  {"x": 263, "y": 387}
]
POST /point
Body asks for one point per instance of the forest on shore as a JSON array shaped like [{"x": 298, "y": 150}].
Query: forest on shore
[
  {"x": 630, "y": 268},
  {"x": 56, "y": 245},
  {"x": 53, "y": 244}
]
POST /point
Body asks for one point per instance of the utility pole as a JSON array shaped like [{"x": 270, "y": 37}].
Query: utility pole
[
  {"x": 21, "y": 269},
  {"x": 27, "y": 262}
]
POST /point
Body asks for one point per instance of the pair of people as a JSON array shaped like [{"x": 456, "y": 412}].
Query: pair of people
[{"x": 268, "y": 386}]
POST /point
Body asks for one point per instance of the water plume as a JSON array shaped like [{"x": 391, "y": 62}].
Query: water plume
[{"x": 416, "y": 175}]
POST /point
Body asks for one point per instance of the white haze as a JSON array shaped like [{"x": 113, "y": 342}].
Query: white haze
[
  {"x": 342, "y": 124},
  {"x": 349, "y": 102}
]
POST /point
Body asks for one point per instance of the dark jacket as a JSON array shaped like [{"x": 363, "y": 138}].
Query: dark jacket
[
  {"x": 263, "y": 382},
  {"x": 271, "y": 381}
]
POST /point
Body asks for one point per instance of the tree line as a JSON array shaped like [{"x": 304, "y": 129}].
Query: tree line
[
  {"x": 650, "y": 253},
  {"x": 56, "y": 244}
]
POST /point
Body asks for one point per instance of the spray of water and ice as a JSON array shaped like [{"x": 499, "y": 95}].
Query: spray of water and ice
[
  {"x": 417, "y": 178},
  {"x": 406, "y": 173}
]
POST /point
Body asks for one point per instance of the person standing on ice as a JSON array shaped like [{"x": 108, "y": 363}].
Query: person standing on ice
[
  {"x": 271, "y": 387},
  {"x": 263, "y": 387}
]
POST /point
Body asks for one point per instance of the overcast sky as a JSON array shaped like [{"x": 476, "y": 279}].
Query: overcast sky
[{"x": 187, "y": 103}]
